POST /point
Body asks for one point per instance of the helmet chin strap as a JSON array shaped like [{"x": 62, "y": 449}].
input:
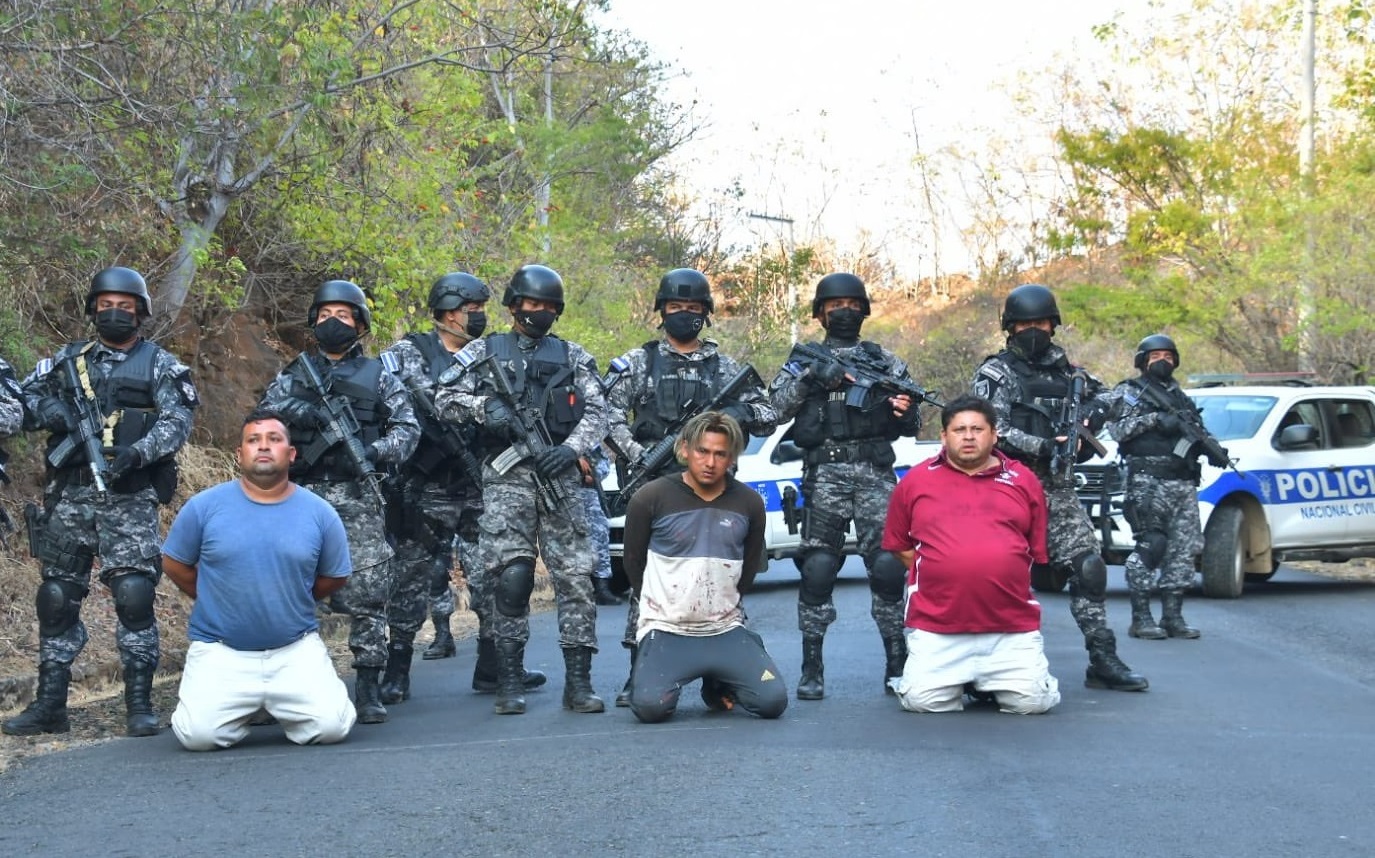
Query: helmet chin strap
[{"x": 453, "y": 332}]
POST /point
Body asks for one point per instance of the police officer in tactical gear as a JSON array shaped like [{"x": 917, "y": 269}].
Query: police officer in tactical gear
[
  {"x": 137, "y": 401},
  {"x": 654, "y": 386},
  {"x": 847, "y": 473},
  {"x": 1028, "y": 383},
  {"x": 1150, "y": 419},
  {"x": 531, "y": 503},
  {"x": 437, "y": 498},
  {"x": 386, "y": 430}
]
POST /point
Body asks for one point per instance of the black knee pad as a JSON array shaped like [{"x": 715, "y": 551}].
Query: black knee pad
[
  {"x": 1090, "y": 577},
  {"x": 134, "y": 601},
  {"x": 888, "y": 576},
  {"x": 1150, "y": 547},
  {"x": 58, "y": 606},
  {"x": 514, "y": 585},
  {"x": 819, "y": 570}
]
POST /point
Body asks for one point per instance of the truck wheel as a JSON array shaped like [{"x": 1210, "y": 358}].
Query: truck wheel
[
  {"x": 1224, "y": 553},
  {"x": 1048, "y": 579}
]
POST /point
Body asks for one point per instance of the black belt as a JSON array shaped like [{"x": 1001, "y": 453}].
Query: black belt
[
  {"x": 1172, "y": 468},
  {"x": 859, "y": 451}
]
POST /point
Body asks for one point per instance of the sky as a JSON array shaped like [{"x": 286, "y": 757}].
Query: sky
[{"x": 819, "y": 108}]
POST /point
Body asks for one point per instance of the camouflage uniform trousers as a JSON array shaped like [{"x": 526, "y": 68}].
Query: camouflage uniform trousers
[
  {"x": 424, "y": 556},
  {"x": 515, "y": 525},
  {"x": 1169, "y": 507},
  {"x": 1069, "y": 534},
  {"x": 857, "y": 491},
  {"x": 364, "y": 597},
  {"x": 122, "y": 530}
]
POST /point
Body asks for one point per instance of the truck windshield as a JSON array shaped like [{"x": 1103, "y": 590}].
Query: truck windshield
[{"x": 1232, "y": 417}]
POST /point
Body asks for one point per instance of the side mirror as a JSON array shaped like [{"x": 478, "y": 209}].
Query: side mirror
[
  {"x": 786, "y": 451},
  {"x": 1298, "y": 437}
]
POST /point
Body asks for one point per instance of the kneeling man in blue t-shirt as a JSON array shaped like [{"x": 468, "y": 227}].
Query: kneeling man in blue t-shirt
[{"x": 256, "y": 553}]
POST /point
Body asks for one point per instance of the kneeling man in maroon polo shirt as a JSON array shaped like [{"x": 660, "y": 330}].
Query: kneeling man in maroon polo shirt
[{"x": 969, "y": 522}]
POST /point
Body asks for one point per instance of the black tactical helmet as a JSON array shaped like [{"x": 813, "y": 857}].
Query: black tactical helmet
[
  {"x": 124, "y": 280},
  {"x": 839, "y": 285},
  {"x": 684, "y": 284},
  {"x": 341, "y": 292},
  {"x": 455, "y": 289},
  {"x": 1028, "y": 303},
  {"x": 1155, "y": 343},
  {"x": 537, "y": 282}
]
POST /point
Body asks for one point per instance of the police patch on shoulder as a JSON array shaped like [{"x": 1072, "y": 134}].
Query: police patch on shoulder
[
  {"x": 44, "y": 367},
  {"x": 794, "y": 368},
  {"x": 187, "y": 390},
  {"x": 389, "y": 362},
  {"x": 983, "y": 388}
]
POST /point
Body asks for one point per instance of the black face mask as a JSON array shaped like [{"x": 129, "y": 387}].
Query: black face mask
[
  {"x": 116, "y": 326},
  {"x": 1160, "y": 369},
  {"x": 335, "y": 336},
  {"x": 1032, "y": 342},
  {"x": 844, "y": 324},
  {"x": 536, "y": 323},
  {"x": 684, "y": 326},
  {"x": 477, "y": 323}
]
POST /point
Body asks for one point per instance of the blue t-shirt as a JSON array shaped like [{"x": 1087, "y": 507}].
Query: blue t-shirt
[{"x": 256, "y": 563}]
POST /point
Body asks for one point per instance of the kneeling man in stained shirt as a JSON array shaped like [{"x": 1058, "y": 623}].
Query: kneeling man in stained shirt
[
  {"x": 256, "y": 553},
  {"x": 693, "y": 543},
  {"x": 969, "y": 522}
]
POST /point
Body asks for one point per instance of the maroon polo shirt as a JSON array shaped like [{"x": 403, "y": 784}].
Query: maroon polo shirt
[{"x": 974, "y": 537}]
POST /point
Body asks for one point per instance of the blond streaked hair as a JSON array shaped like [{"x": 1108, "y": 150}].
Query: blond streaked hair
[{"x": 713, "y": 421}]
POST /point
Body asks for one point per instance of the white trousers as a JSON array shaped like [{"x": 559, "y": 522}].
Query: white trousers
[
  {"x": 1012, "y": 667},
  {"x": 222, "y": 688}
]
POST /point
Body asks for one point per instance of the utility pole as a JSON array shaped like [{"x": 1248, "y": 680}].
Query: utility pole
[
  {"x": 1307, "y": 175},
  {"x": 794, "y": 331}
]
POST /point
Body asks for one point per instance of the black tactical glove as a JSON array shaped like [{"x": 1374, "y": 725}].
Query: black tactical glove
[
  {"x": 499, "y": 419},
  {"x": 1218, "y": 456},
  {"x": 555, "y": 461},
  {"x": 827, "y": 376},
  {"x": 370, "y": 453},
  {"x": 1169, "y": 424},
  {"x": 56, "y": 415},
  {"x": 126, "y": 460},
  {"x": 304, "y": 415},
  {"x": 741, "y": 413}
]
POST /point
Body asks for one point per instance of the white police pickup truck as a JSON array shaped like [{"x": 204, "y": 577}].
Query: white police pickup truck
[
  {"x": 772, "y": 466},
  {"x": 1303, "y": 487}
]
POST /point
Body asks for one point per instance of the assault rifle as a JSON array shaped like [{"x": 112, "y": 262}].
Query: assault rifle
[
  {"x": 342, "y": 428},
  {"x": 1193, "y": 433},
  {"x": 90, "y": 427},
  {"x": 867, "y": 374},
  {"x": 451, "y": 439},
  {"x": 656, "y": 458},
  {"x": 1071, "y": 427},
  {"x": 532, "y": 438}
]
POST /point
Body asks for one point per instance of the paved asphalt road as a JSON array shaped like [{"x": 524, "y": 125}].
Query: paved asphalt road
[{"x": 1253, "y": 741}]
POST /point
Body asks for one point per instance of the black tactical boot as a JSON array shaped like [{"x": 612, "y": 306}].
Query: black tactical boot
[
  {"x": 1171, "y": 620},
  {"x": 48, "y": 711},
  {"x": 812, "y": 684},
  {"x": 601, "y": 590},
  {"x": 443, "y": 645},
  {"x": 577, "y": 681},
  {"x": 1143, "y": 623},
  {"x": 367, "y": 696},
  {"x": 485, "y": 671},
  {"x": 510, "y": 662},
  {"x": 138, "y": 701},
  {"x": 623, "y": 696},
  {"x": 396, "y": 681},
  {"x": 1105, "y": 669},
  {"x": 895, "y": 649}
]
